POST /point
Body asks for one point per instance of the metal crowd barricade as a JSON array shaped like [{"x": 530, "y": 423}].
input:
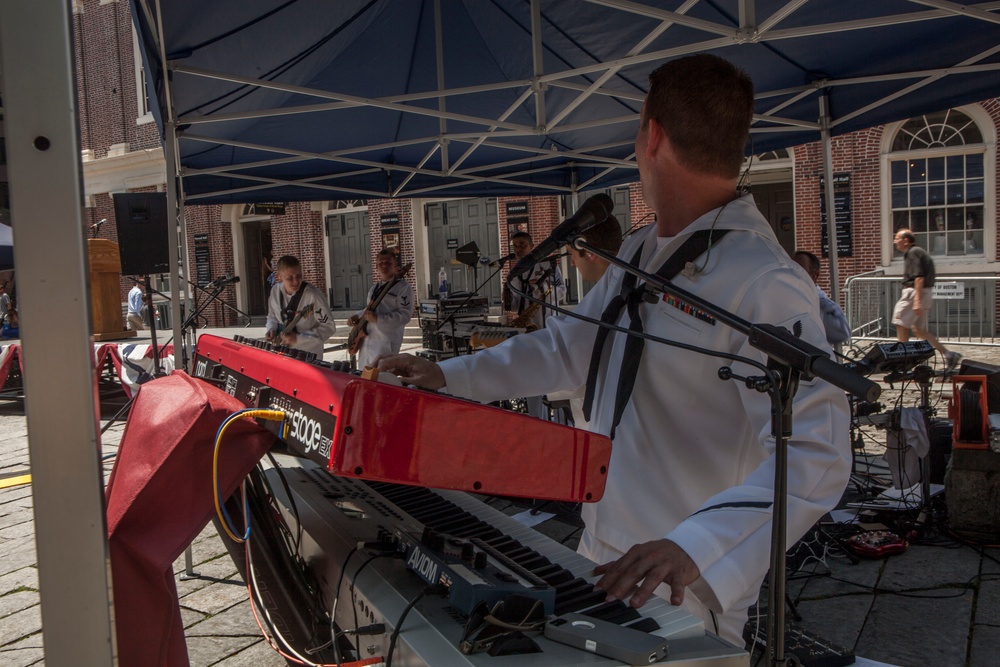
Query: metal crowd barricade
[{"x": 964, "y": 308}]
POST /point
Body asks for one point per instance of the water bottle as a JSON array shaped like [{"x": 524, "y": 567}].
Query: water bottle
[{"x": 442, "y": 284}]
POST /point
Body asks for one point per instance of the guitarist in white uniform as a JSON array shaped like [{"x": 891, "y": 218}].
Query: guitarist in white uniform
[
  {"x": 384, "y": 319},
  {"x": 298, "y": 315}
]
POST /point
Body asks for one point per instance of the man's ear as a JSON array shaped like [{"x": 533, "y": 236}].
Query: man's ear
[{"x": 655, "y": 136}]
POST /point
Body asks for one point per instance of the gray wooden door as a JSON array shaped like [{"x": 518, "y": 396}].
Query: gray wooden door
[
  {"x": 350, "y": 261},
  {"x": 776, "y": 202},
  {"x": 453, "y": 224}
]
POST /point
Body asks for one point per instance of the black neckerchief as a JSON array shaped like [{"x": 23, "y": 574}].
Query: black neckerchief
[
  {"x": 631, "y": 296},
  {"x": 288, "y": 312}
]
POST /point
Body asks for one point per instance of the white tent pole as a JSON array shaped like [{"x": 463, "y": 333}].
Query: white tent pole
[
  {"x": 831, "y": 213},
  {"x": 67, "y": 486},
  {"x": 174, "y": 207}
]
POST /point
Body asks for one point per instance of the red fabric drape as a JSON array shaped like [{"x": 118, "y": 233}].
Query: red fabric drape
[{"x": 160, "y": 497}]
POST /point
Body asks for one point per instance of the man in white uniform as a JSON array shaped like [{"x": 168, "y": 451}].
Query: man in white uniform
[
  {"x": 544, "y": 281},
  {"x": 292, "y": 295},
  {"x": 387, "y": 320},
  {"x": 687, "y": 507}
]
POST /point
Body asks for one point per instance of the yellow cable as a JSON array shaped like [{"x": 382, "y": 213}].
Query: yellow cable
[{"x": 270, "y": 415}]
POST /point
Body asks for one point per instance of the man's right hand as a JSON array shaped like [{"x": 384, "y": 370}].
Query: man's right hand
[
  {"x": 269, "y": 334},
  {"x": 412, "y": 370}
]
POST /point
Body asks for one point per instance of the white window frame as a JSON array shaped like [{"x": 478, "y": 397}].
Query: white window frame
[
  {"x": 987, "y": 149},
  {"x": 145, "y": 114}
]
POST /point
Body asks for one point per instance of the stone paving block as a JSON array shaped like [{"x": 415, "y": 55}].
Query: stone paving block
[
  {"x": 19, "y": 601},
  {"x": 983, "y": 652},
  {"x": 988, "y": 601},
  {"x": 839, "y": 620},
  {"x": 209, "y": 573},
  {"x": 189, "y": 617},
  {"x": 237, "y": 620},
  {"x": 24, "y": 528},
  {"x": 257, "y": 655},
  {"x": 19, "y": 553},
  {"x": 21, "y": 624},
  {"x": 215, "y": 598},
  {"x": 924, "y": 568},
  {"x": 918, "y": 631},
  {"x": 28, "y": 651},
  {"x": 844, "y": 578},
  {"x": 204, "y": 651},
  {"x": 25, "y": 577}
]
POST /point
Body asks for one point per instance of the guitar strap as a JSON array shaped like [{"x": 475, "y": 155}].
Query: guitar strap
[{"x": 288, "y": 312}]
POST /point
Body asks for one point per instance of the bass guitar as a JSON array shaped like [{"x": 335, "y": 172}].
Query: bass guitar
[{"x": 356, "y": 338}]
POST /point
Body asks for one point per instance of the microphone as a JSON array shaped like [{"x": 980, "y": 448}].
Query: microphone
[
  {"x": 99, "y": 223},
  {"x": 594, "y": 211},
  {"x": 222, "y": 281},
  {"x": 503, "y": 260}
]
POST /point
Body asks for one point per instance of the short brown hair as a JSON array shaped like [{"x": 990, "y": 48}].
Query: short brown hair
[
  {"x": 705, "y": 106},
  {"x": 606, "y": 235}
]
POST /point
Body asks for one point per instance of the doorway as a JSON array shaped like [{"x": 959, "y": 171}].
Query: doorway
[
  {"x": 453, "y": 224},
  {"x": 257, "y": 246},
  {"x": 776, "y": 202},
  {"x": 350, "y": 261}
]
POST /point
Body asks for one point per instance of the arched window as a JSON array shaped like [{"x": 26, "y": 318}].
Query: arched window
[{"x": 936, "y": 168}]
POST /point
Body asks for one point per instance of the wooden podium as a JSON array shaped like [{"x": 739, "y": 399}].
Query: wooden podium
[{"x": 105, "y": 290}]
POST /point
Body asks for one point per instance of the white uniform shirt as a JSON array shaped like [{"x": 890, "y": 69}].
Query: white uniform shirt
[
  {"x": 554, "y": 283},
  {"x": 386, "y": 335},
  {"x": 693, "y": 457},
  {"x": 312, "y": 331}
]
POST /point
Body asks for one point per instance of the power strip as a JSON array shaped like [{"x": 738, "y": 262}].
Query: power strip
[{"x": 810, "y": 650}]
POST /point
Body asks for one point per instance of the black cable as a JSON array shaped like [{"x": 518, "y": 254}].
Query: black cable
[
  {"x": 333, "y": 609},
  {"x": 354, "y": 606},
  {"x": 399, "y": 623}
]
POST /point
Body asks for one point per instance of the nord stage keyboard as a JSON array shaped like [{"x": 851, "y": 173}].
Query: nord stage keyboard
[
  {"x": 373, "y": 430},
  {"x": 337, "y": 513}
]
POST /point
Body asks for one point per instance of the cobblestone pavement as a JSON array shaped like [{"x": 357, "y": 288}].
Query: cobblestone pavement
[{"x": 936, "y": 604}]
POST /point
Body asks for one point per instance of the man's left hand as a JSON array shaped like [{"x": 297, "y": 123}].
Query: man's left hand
[
  {"x": 371, "y": 316},
  {"x": 643, "y": 568},
  {"x": 289, "y": 338}
]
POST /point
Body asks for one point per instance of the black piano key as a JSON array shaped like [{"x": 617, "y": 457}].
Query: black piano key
[
  {"x": 616, "y": 612},
  {"x": 573, "y": 587},
  {"x": 554, "y": 574},
  {"x": 644, "y": 624},
  {"x": 580, "y": 602}
]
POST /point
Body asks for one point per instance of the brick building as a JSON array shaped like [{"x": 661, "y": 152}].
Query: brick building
[{"x": 936, "y": 173}]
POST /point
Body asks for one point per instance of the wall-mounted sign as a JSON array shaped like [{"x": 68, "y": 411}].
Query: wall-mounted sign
[
  {"x": 264, "y": 208},
  {"x": 452, "y": 244},
  {"x": 202, "y": 259},
  {"x": 390, "y": 237},
  {"x": 841, "y": 216},
  {"x": 389, "y": 220},
  {"x": 515, "y": 225},
  {"x": 949, "y": 290},
  {"x": 517, "y": 208}
]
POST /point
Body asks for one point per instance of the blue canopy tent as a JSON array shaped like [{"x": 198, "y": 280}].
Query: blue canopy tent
[
  {"x": 264, "y": 100},
  {"x": 275, "y": 100}
]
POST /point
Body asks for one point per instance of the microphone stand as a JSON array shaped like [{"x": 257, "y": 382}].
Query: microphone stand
[
  {"x": 789, "y": 359},
  {"x": 451, "y": 316}
]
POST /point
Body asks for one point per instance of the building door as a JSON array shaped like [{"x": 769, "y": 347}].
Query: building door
[
  {"x": 776, "y": 202},
  {"x": 577, "y": 286},
  {"x": 257, "y": 244},
  {"x": 350, "y": 261},
  {"x": 451, "y": 225}
]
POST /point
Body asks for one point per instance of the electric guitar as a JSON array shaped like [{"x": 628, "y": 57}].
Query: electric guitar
[
  {"x": 356, "y": 338},
  {"x": 299, "y": 314}
]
